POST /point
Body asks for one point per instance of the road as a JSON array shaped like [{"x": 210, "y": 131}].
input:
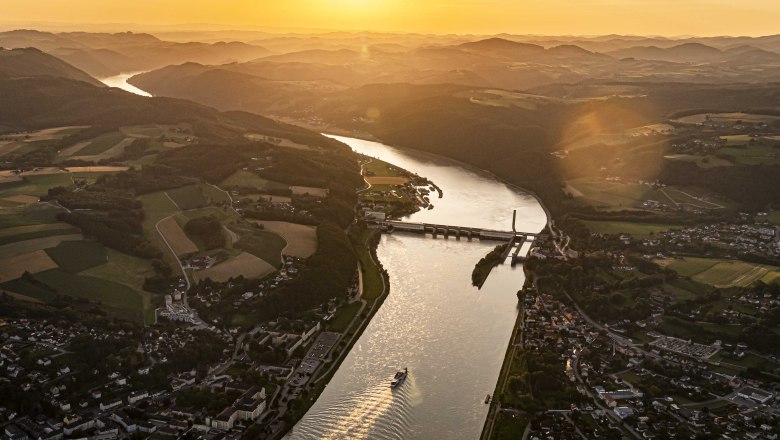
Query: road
[{"x": 170, "y": 248}]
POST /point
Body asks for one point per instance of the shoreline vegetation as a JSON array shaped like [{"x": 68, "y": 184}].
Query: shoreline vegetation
[
  {"x": 496, "y": 423},
  {"x": 366, "y": 242},
  {"x": 376, "y": 287},
  {"x": 494, "y": 418},
  {"x": 330, "y": 130},
  {"x": 486, "y": 264}
]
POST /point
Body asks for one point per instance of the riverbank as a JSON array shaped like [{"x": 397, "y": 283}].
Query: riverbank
[
  {"x": 433, "y": 156},
  {"x": 376, "y": 288},
  {"x": 516, "y": 426},
  {"x": 470, "y": 326}
]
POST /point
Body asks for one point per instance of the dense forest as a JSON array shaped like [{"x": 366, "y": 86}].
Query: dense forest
[{"x": 328, "y": 274}]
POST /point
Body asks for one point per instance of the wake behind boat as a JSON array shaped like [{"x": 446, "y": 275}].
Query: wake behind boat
[{"x": 399, "y": 377}]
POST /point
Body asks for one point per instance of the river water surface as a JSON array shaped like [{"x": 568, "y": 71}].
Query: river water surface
[
  {"x": 120, "y": 81},
  {"x": 450, "y": 335}
]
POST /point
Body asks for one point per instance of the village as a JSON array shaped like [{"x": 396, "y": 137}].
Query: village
[
  {"x": 665, "y": 389},
  {"x": 130, "y": 396},
  {"x": 730, "y": 238}
]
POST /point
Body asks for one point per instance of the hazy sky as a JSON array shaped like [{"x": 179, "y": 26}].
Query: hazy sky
[{"x": 582, "y": 17}]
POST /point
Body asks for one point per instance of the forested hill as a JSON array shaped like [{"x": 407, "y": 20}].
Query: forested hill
[
  {"x": 39, "y": 102},
  {"x": 31, "y": 62},
  {"x": 520, "y": 136}
]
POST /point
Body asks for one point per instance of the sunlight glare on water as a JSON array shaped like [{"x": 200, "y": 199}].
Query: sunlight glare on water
[
  {"x": 450, "y": 335},
  {"x": 120, "y": 82}
]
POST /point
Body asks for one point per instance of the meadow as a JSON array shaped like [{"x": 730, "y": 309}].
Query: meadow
[
  {"x": 176, "y": 237},
  {"x": 636, "y": 229},
  {"x": 101, "y": 144},
  {"x": 262, "y": 244},
  {"x": 250, "y": 180},
  {"x": 188, "y": 197},
  {"x": 301, "y": 239},
  {"x": 244, "y": 264},
  {"x": 723, "y": 273},
  {"x": 608, "y": 195}
]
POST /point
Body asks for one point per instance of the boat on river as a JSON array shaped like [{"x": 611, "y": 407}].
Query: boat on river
[
  {"x": 487, "y": 398},
  {"x": 399, "y": 377}
]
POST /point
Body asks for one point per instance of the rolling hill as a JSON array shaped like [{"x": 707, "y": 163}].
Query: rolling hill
[
  {"x": 104, "y": 54},
  {"x": 30, "y": 62}
]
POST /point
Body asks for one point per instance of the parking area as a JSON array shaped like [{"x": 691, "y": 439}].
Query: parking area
[
  {"x": 317, "y": 354},
  {"x": 322, "y": 346}
]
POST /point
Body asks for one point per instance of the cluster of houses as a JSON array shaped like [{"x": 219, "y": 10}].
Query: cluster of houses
[
  {"x": 700, "y": 146},
  {"x": 210, "y": 296},
  {"x": 743, "y": 238},
  {"x": 613, "y": 403},
  {"x": 117, "y": 419},
  {"x": 199, "y": 262},
  {"x": 117, "y": 405}
]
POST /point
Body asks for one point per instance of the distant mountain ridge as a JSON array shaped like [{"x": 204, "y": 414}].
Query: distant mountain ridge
[{"x": 105, "y": 54}]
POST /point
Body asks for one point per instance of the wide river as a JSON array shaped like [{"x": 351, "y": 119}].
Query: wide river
[
  {"x": 450, "y": 335},
  {"x": 120, "y": 81}
]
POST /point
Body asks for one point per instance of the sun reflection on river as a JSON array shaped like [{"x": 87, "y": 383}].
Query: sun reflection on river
[{"x": 450, "y": 335}]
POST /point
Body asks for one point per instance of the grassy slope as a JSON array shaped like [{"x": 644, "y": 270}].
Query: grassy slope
[
  {"x": 635, "y": 229},
  {"x": 157, "y": 206}
]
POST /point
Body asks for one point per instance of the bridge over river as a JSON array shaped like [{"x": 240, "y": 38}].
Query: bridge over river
[{"x": 515, "y": 239}]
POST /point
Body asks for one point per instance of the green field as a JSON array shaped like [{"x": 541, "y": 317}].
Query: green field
[
  {"x": 684, "y": 289},
  {"x": 373, "y": 286},
  {"x": 401, "y": 197},
  {"x": 30, "y": 146},
  {"x": 154, "y": 131},
  {"x": 670, "y": 327},
  {"x": 250, "y": 180},
  {"x": 754, "y": 155},
  {"x": 188, "y": 197},
  {"x": 36, "y": 185},
  {"x": 220, "y": 213},
  {"x": 101, "y": 144},
  {"x": 157, "y": 206},
  {"x": 687, "y": 196},
  {"x": 747, "y": 361},
  {"x": 381, "y": 168},
  {"x": 724, "y": 273},
  {"x": 343, "y": 317},
  {"x": 608, "y": 195},
  {"x": 120, "y": 299},
  {"x": 706, "y": 162},
  {"x": 76, "y": 256},
  {"x": 29, "y": 232},
  {"x": 89, "y": 270},
  {"x": 214, "y": 194},
  {"x": 28, "y": 215},
  {"x": 128, "y": 271},
  {"x": 635, "y": 229},
  {"x": 265, "y": 245}
]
